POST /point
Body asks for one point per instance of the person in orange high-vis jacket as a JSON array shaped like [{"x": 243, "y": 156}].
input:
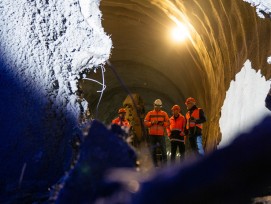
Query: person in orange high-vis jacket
[
  {"x": 176, "y": 134},
  {"x": 120, "y": 120},
  {"x": 157, "y": 121},
  {"x": 194, "y": 119}
]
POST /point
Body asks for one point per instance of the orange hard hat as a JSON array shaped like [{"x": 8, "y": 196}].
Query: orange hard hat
[
  {"x": 122, "y": 110},
  {"x": 176, "y": 107},
  {"x": 190, "y": 100}
]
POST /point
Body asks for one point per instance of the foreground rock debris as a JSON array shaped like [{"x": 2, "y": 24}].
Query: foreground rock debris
[{"x": 235, "y": 174}]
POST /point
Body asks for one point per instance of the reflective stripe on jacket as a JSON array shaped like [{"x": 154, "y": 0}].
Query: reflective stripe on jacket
[
  {"x": 196, "y": 115},
  {"x": 124, "y": 122},
  {"x": 176, "y": 126},
  {"x": 160, "y": 116}
]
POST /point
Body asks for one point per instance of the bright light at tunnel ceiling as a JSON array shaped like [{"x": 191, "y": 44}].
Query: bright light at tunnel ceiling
[{"x": 180, "y": 33}]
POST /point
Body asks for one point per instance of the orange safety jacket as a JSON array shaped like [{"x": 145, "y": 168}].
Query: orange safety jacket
[
  {"x": 196, "y": 115},
  {"x": 161, "y": 117},
  {"x": 177, "y": 124},
  {"x": 124, "y": 122}
]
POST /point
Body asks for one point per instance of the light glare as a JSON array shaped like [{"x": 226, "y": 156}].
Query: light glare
[{"x": 180, "y": 33}]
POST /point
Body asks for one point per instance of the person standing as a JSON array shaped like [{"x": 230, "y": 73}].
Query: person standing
[
  {"x": 195, "y": 117},
  {"x": 176, "y": 134},
  {"x": 121, "y": 120},
  {"x": 157, "y": 120}
]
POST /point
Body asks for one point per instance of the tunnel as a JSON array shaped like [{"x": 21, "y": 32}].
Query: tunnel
[
  {"x": 223, "y": 35},
  {"x": 62, "y": 59}
]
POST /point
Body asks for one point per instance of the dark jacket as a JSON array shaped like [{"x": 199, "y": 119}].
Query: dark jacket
[{"x": 194, "y": 131}]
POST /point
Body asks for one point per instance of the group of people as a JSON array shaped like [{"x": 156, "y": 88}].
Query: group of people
[{"x": 178, "y": 128}]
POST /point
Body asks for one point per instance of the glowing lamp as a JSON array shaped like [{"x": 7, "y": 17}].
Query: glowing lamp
[{"x": 180, "y": 32}]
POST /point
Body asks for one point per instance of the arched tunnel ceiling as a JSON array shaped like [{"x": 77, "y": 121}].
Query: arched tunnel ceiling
[{"x": 224, "y": 34}]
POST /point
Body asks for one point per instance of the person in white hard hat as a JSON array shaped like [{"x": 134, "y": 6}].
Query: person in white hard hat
[{"x": 157, "y": 121}]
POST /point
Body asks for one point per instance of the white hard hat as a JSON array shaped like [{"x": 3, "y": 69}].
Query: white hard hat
[{"x": 157, "y": 102}]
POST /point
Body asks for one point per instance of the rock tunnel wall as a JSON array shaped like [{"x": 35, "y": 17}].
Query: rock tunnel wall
[
  {"x": 44, "y": 47},
  {"x": 224, "y": 34}
]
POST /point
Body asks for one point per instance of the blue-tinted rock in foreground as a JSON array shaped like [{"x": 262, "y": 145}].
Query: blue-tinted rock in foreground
[{"x": 101, "y": 151}]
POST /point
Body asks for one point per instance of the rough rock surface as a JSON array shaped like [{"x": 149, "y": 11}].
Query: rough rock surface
[{"x": 44, "y": 48}]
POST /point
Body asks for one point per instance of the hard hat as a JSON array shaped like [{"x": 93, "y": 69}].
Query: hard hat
[
  {"x": 190, "y": 100},
  {"x": 122, "y": 110},
  {"x": 176, "y": 107},
  {"x": 157, "y": 102}
]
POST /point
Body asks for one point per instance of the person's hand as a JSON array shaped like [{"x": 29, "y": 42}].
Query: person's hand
[
  {"x": 160, "y": 123},
  {"x": 154, "y": 122},
  {"x": 192, "y": 119}
]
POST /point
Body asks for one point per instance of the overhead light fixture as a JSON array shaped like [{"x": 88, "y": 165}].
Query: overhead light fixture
[{"x": 180, "y": 32}]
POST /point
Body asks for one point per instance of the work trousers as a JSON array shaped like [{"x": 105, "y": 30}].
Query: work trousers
[
  {"x": 174, "y": 146},
  {"x": 196, "y": 144},
  {"x": 156, "y": 143}
]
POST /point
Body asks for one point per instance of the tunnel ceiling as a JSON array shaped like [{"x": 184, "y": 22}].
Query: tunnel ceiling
[{"x": 224, "y": 34}]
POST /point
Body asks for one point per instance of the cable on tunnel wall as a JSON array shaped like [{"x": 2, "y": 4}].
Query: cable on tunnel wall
[{"x": 102, "y": 91}]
